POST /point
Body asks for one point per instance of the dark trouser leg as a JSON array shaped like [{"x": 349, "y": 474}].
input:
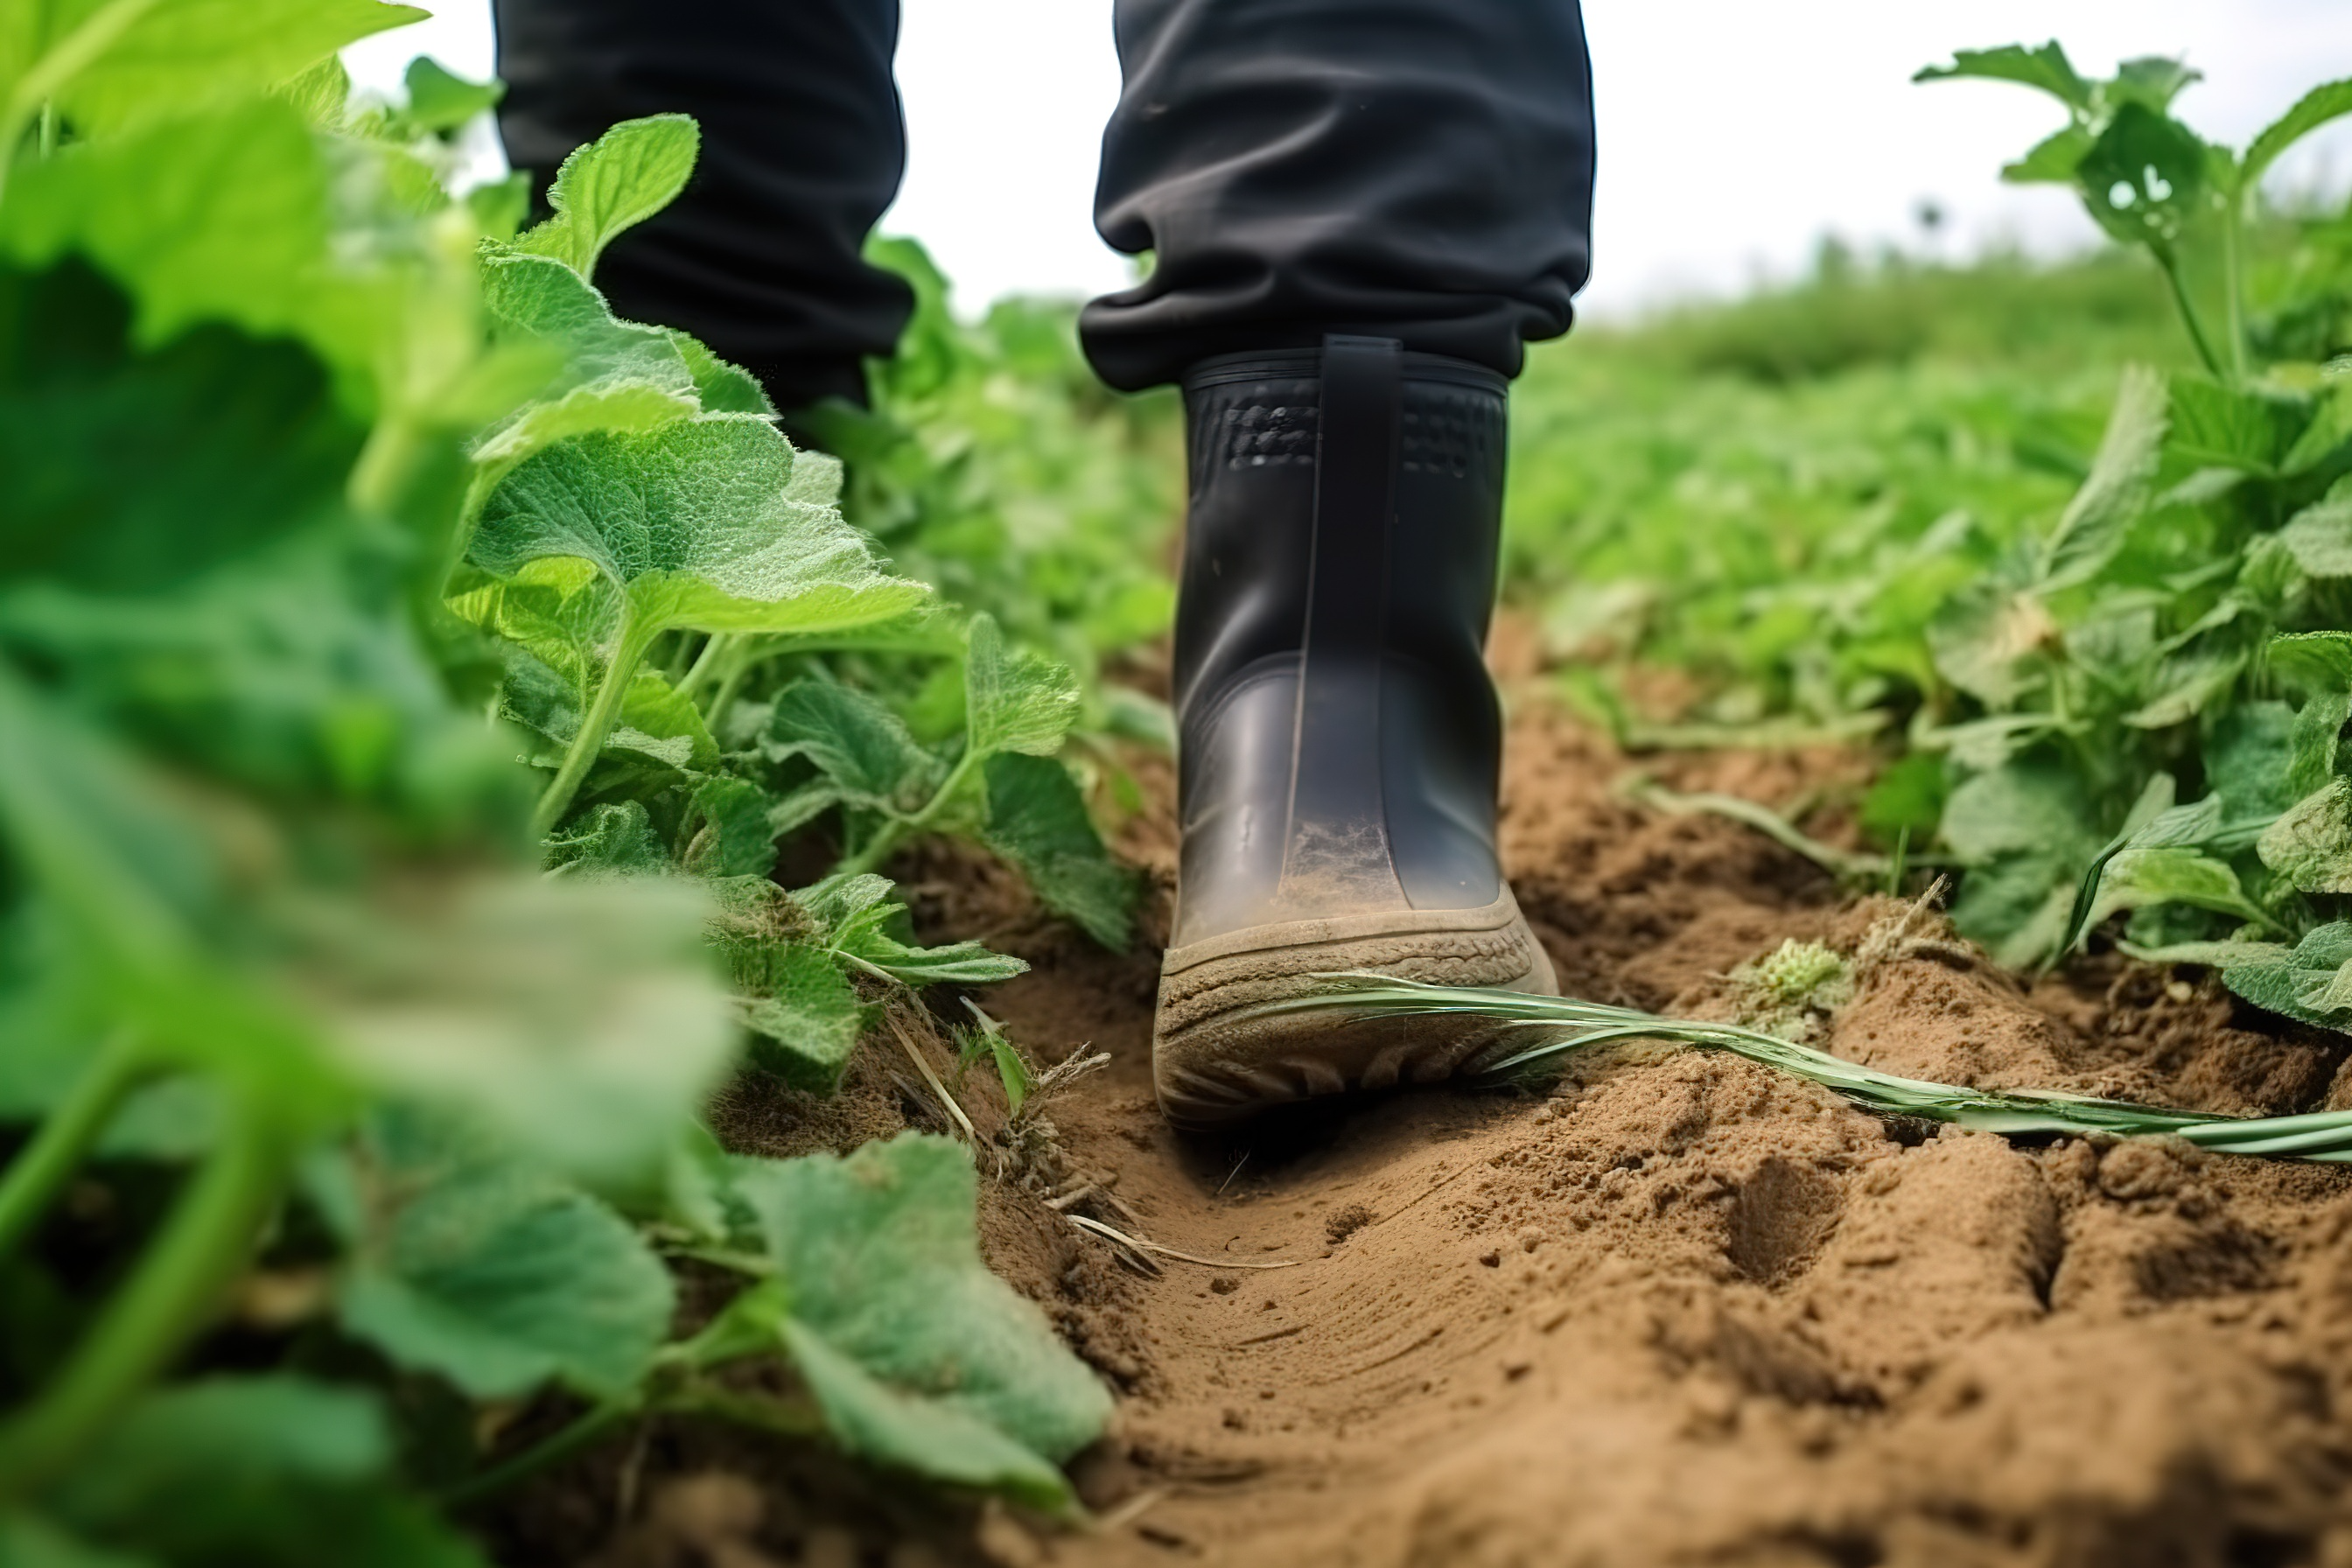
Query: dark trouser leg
[
  {"x": 1362, "y": 209},
  {"x": 803, "y": 147},
  {"x": 1411, "y": 169}
]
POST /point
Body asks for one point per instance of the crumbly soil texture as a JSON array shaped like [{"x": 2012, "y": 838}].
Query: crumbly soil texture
[{"x": 1662, "y": 1308}]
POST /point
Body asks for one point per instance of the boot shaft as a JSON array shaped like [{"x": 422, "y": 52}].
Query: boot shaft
[{"x": 1339, "y": 735}]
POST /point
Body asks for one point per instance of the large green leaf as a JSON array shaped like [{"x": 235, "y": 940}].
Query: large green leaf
[
  {"x": 166, "y": 58},
  {"x": 879, "y": 1257},
  {"x": 239, "y": 442},
  {"x": 255, "y": 1472},
  {"x": 692, "y": 521},
  {"x": 615, "y": 182},
  {"x": 224, "y": 216}
]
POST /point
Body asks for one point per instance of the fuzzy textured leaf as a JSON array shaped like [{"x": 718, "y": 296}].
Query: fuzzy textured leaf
[
  {"x": 879, "y": 1255},
  {"x": 2092, "y": 527},
  {"x": 615, "y": 183},
  {"x": 2311, "y": 844},
  {"x": 1037, "y": 820}
]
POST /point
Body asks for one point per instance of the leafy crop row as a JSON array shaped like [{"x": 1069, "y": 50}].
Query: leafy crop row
[
  {"x": 2123, "y": 700},
  {"x": 409, "y": 671}
]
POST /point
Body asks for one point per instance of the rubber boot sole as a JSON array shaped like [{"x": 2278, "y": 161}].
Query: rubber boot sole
[{"x": 1214, "y": 1064}]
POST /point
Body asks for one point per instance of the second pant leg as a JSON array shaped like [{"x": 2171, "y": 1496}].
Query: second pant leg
[
  {"x": 1413, "y": 169},
  {"x": 802, "y": 148}
]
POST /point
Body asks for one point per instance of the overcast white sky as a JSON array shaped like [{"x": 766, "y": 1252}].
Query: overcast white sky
[{"x": 1733, "y": 133}]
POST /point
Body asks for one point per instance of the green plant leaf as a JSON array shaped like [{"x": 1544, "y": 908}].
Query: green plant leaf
[
  {"x": 736, "y": 839},
  {"x": 2314, "y": 661},
  {"x": 2142, "y": 178},
  {"x": 2320, "y": 537},
  {"x": 2310, "y": 981},
  {"x": 1014, "y": 700},
  {"x": 2160, "y": 874},
  {"x": 617, "y": 181},
  {"x": 440, "y": 101},
  {"x": 692, "y": 522},
  {"x": 254, "y": 1470},
  {"x": 2117, "y": 491},
  {"x": 2152, "y": 81},
  {"x": 878, "y": 1253},
  {"x": 2248, "y": 753},
  {"x": 494, "y": 1274},
  {"x": 178, "y": 54},
  {"x": 877, "y": 1421},
  {"x": 807, "y": 1018},
  {"x": 2045, "y": 68},
  {"x": 724, "y": 388},
  {"x": 2052, "y": 161},
  {"x": 2327, "y": 101},
  {"x": 1037, "y": 820},
  {"x": 1991, "y": 640},
  {"x": 613, "y": 376},
  {"x": 2027, "y": 834},
  {"x": 860, "y": 922},
  {"x": 610, "y": 840},
  {"x": 864, "y": 750},
  {"x": 2219, "y": 427},
  {"x": 224, "y": 218},
  {"x": 2311, "y": 844},
  {"x": 525, "y": 1004}
]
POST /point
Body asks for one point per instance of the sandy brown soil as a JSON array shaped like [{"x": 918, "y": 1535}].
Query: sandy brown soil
[{"x": 1671, "y": 1308}]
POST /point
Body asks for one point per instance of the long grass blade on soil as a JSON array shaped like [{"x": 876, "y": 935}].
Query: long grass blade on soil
[{"x": 1570, "y": 1025}]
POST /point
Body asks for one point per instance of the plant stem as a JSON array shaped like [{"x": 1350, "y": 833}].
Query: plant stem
[
  {"x": 2188, "y": 317},
  {"x": 49, "y": 130},
  {"x": 166, "y": 1302},
  {"x": 714, "y": 647},
  {"x": 595, "y": 726},
  {"x": 899, "y": 829},
  {"x": 41, "y": 1167},
  {"x": 2232, "y": 285},
  {"x": 737, "y": 668},
  {"x": 554, "y": 1448}
]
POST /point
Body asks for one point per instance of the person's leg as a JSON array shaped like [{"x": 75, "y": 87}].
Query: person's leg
[
  {"x": 1359, "y": 210},
  {"x": 802, "y": 148}
]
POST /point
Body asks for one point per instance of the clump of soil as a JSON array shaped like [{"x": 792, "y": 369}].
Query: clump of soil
[{"x": 1671, "y": 1308}]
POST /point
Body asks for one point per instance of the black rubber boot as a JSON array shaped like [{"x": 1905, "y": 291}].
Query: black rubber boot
[{"x": 1340, "y": 739}]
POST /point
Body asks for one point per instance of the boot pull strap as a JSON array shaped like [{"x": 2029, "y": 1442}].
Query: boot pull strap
[{"x": 1336, "y": 840}]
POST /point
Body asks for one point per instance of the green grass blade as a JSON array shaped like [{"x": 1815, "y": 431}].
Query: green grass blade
[{"x": 1575, "y": 1024}]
